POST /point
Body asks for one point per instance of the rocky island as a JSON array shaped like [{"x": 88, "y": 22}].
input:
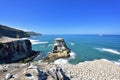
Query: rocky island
[{"x": 60, "y": 50}]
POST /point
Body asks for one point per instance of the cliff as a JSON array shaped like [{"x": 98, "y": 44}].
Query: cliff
[
  {"x": 60, "y": 50},
  {"x": 14, "y": 33},
  {"x": 13, "y": 50}
]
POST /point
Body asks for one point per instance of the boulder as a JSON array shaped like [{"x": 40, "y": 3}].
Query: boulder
[
  {"x": 8, "y": 76},
  {"x": 57, "y": 74}
]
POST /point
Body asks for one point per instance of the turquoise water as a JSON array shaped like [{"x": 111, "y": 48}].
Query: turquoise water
[{"x": 85, "y": 47}]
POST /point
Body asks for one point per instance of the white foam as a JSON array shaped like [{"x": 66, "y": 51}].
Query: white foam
[
  {"x": 108, "y": 50},
  {"x": 61, "y": 61},
  {"x": 45, "y": 42},
  {"x": 72, "y": 43},
  {"x": 65, "y": 61},
  {"x": 104, "y": 59},
  {"x": 72, "y": 55},
  {"x": 32, "y": 41},
  {"x": 38, "y": 42},
  {"x": 24, "y": 38},
  {"x": 117, "y": 62}
]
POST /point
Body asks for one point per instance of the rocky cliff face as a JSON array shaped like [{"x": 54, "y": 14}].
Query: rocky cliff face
[
  {"x": 60, "y": 50},
  {"x": 12, "y": 50}
]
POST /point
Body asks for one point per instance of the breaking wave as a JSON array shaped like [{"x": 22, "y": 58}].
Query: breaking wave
[
  {"x": 61, "y": 61},
  {"x": 116, "y": 62},
  {"x": 108, "y": 50},
  {"x": 65, "y": 61},
  {"x": 38, "y": 42},
  {"x": 72, "y": 55},
  {"x": 24, "y": 38}
]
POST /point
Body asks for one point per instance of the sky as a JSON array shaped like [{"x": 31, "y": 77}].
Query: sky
[{"x": 62, "y": 16}]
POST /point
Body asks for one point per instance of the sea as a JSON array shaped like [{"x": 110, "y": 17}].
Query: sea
[{"x": 83, "y": 47}]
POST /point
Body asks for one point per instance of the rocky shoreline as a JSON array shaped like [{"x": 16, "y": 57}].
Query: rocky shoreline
[
  {"x": 17, "y": 50},
  {"x": 91, "y": 70}
]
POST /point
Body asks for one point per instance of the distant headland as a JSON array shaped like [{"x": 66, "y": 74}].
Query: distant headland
[{"x": 15, "y": 33}]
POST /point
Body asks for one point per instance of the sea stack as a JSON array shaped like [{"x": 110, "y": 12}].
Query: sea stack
[{"x": 60, "y": 50}]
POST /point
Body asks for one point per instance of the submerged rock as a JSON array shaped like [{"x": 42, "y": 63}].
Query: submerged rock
[{"x": 60, "y": 50}]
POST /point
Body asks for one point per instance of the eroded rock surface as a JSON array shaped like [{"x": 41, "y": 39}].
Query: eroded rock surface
[
  {"x": 12, "y": 50},
  {"x": 91, "y": 70},
  {"x": 60, "y": 50}
]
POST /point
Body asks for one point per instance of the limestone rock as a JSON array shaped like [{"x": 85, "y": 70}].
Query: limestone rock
[{"x": 60, "y": 50}]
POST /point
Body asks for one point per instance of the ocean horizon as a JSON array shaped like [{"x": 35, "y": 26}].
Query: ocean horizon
[{"x": 83, "y": 47}]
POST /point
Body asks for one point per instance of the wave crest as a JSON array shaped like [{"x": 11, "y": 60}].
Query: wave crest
[
  {"x": 38, "y": 42},
  {"x": 108, "y": 50}
]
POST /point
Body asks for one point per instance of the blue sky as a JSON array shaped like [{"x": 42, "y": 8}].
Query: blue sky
[{"x": 62, "y": 16}]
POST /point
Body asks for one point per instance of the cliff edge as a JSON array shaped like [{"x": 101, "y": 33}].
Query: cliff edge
[{"x": 13, "y": 50}]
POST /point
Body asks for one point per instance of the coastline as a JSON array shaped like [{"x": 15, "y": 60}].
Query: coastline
[{"x": 96, "y": 70}]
